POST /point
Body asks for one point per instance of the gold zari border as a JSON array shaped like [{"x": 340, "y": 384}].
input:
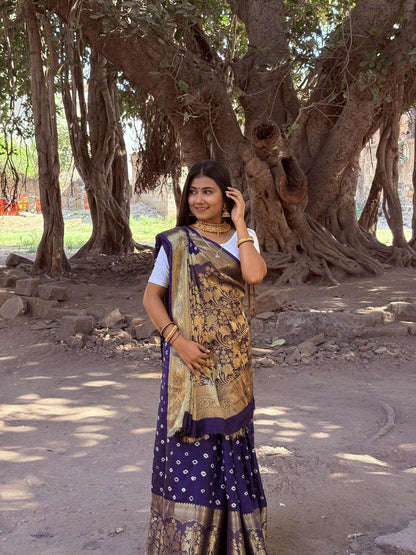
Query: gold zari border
[{"x": 182, "y": 528}]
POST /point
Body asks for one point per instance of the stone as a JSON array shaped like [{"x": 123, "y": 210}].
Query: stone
[
  {"x": 122, "y": 338},
  {"x": 27, "y": 287},
  {"x": 403, "y": 310},
  {"x": 112, "y": 319},
  {"x": 144, "y": 330},
  {"x": 266, "y": 315},
  {"x": 15, "y": 259},
  {"x": 271, "y": 300},
  {"x": 372, "y": 317},
  {"x": 400, "y": 543},
  {"x": 60, "y": 311},
  {"x": 4, "y": 295},
  {"x": 10, "y": 277},
  {"x": 52, "y": 291},
  {"x": 75, "y": 341},
  {"x": 13, "y": 307},
  {"x": 135, "y": 321},
  {"x": 71, "y": 325},
  {"x": 41, "y": 308},
  {"x": 307, "y": 349}
]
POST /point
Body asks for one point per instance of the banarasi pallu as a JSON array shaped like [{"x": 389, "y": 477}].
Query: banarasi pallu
[{"x": 207, "y": 495}]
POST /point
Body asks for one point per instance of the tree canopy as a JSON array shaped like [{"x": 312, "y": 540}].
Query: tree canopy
[{"x": 285, "y": 93}]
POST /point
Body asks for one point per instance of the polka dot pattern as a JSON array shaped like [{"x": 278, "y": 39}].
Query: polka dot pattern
[{"x": 217, "y": 472}]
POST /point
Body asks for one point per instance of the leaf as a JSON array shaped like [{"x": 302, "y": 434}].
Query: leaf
[{"x": 183, "y": 86}]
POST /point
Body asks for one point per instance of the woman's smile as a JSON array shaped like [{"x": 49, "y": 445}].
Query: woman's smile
[{"x": 205, "y": 199}]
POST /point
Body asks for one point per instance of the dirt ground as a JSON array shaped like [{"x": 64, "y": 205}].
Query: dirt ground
[{"x": 336, "y": 438}]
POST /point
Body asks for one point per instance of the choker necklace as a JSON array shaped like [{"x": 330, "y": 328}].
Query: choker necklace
[{"x": 223, "y": 227}]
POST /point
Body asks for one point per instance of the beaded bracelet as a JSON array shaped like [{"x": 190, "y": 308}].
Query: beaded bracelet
[
  {"x": 247, "y": 239},
  {"x": 162, "y": 329},
  {"x": 171, "y": 333}
]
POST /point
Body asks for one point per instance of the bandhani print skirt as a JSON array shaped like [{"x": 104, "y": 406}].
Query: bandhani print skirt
[{"x": 207, "y": 496}]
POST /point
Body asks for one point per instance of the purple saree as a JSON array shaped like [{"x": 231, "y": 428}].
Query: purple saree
[{"x": 207, "y": 496}]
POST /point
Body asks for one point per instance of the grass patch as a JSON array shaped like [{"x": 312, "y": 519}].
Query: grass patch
[
  {"x": 385, "y": 236},
  {"x": 145, "y": 229},
  {"x": 25, "y": 232}
]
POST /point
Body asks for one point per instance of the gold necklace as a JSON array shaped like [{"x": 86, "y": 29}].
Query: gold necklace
[
  {"x": 223, "y": 227},
  {"x": 210, "y": 246}
]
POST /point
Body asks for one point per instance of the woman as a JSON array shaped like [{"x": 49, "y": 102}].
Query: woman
[{"x": 207, "y": 496}]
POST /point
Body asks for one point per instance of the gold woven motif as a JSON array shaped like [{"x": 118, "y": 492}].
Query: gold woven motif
[
  {"x": 207, "y": 300},
  {"x": 182, "y": 528}
]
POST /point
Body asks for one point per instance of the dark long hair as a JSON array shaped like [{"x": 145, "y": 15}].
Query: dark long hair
[{"x": 214, "y": 170}]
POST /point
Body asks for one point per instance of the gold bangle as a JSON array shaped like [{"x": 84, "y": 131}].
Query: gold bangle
[
  {"x": 171, "y": 333},
  {"x": 175, "y": 337},
  {"x": 248, "y": 239},
  {"x": 162, "y": 329}
]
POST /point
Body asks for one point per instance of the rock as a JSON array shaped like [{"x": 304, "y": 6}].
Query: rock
[
  {"x": 390, "y": 329},
  {"x": 144, "y": 330},
  {"x": 135, "y": 321},
  {"x": 41, "y": 308},
  {"x": 403, "y": 310},
  {"x": 272, "y": 299},
  {"x": 71, "y": 325},
  {"x": 10, "y": 277},
  {"x": 4, "y": 295},
  {"x": 372, "y": 316},
  {"x": 52, "y": 291},
  {"x": 27, "y": 287},
  {"x": 401, "y": 543},
  {"x": 13, "y": 307},
  {"x": 75, "y": 341},
  {"x": 130, "y": 318},
  {"x": 112, "y": 319},
  {"x": 122, "y": 338},
  {"x": 15, "y": 259},
  {"x": 307, "y": 349},
  {"x": 266, "y": 315}
]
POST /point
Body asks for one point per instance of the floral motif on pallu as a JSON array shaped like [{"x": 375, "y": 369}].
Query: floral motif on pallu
[{"x": 205, "y": 299}]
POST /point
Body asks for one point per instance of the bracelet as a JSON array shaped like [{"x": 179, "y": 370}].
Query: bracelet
[
  {"x": 248, "y": 239},
  {"x": 175, "y": 337},
  {"x": 171, "y": 333},
  {"x": 162, "y": 329}
]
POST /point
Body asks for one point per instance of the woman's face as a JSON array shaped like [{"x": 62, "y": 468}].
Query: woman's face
[{"x": 205, "y": 199}]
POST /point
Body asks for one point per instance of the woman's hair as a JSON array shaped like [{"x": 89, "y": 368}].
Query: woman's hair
[{"x": 214, "y": 170}]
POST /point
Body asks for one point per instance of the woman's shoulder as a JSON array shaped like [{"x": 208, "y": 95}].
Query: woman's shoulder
[{"x": 172, "y": 235}]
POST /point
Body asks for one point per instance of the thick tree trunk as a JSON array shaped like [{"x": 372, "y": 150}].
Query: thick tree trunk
[
  {"x": 99, "y": 152},
  {"x": 388, "y": 176},
  {"x": 50, "y": 256},
  {"x": 295, "y": 246},
  {"x": 413, "y": 240},
  {"x": 369, "y": 216}
]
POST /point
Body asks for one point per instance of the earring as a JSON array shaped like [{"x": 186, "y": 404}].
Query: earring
[{"x": 225, "y": 213}]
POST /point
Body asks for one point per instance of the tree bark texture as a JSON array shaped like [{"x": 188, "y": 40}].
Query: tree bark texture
[
  {"x": 322, "y": 127},
  {"x": 99, "y": 150},
  {"x": 50, "y": 257}
]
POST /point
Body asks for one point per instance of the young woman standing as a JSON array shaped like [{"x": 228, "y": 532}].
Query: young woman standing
[{"x": 207, "y": 495}]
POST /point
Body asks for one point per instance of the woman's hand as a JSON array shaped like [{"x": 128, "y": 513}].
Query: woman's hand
[
  {"x": 237, "y": 212},
  {"x": 194, "y": 355}
]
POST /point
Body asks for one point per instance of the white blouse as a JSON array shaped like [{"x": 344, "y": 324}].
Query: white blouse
[{"x": 160, "y": 272}]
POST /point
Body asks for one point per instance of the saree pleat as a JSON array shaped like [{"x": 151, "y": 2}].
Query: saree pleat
[{"x": 207, "y": 495}]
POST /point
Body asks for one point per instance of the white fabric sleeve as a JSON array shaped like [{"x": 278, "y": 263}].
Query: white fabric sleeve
[{"x": 160, "y": 272}]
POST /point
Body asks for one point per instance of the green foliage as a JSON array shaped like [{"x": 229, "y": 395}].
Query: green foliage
[{"x": 24, "y": 233}]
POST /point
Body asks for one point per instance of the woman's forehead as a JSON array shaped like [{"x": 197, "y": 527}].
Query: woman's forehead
[{"x": 203, "y": 182}]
